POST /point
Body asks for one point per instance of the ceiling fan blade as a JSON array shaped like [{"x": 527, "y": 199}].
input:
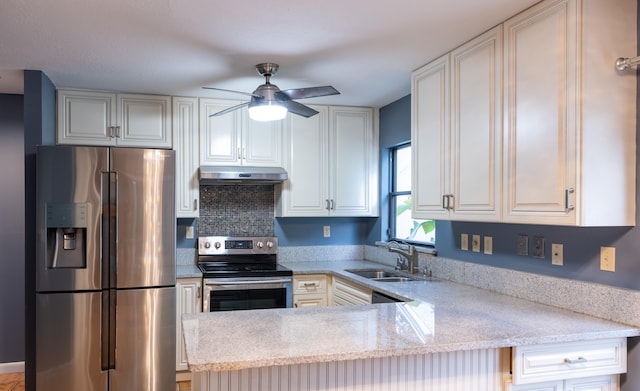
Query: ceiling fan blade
[
  {"x": 225, "y": 111},
  {"x": 233, "y": 91},
  {"x": 299, "y": 109},
  {"x": 309, "y": 92}
]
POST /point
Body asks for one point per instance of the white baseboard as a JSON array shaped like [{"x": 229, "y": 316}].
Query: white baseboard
[{"x": 10, "y": 367}]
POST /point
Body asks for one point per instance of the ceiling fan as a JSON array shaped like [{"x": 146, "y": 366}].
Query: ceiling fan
[{"x": 269, "y": 103}]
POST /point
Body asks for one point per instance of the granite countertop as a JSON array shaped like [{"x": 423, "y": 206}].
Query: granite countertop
[
  {"x": 188, "y": 271},
  {"x": 442, "y": 316}
]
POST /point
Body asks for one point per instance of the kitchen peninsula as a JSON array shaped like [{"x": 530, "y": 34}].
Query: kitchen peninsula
[{"x": 447, "y": 335}]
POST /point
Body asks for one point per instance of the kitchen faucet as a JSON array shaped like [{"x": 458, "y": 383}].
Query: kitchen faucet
[{"x": 411, "y": 255}]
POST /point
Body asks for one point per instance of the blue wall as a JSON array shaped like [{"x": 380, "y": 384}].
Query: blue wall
[{"x": 12, "y": 242}]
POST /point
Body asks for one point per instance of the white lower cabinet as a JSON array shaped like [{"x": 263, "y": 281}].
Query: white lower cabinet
[
  {"x": 310, "y": 290},
  {"x": 188, "y": 301},
  {"x": 348, "y": 293},
  {"x": 597, "y": 383},
  {"x": 570, "y": 366}
]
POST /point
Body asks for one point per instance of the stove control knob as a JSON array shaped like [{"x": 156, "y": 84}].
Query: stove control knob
[
  {"x": 207, "y": 244},
  {"x": 259, "y": 244},
  {"x": 217, "y": 245},
  {"x": 270, "y": 244}
]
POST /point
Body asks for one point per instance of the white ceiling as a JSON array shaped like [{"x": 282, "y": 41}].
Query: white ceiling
[{"x": 366, "y": 49}]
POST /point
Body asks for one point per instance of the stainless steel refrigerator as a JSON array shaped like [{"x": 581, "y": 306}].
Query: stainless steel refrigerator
[{"x": 105, "y": 280}]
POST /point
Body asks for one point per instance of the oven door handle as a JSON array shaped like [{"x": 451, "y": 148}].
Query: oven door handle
[{"x": 249, "y": 282}]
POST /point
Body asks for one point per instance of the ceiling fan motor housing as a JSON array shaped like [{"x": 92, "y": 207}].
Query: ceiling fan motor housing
[{"x": 267, "y": 69}]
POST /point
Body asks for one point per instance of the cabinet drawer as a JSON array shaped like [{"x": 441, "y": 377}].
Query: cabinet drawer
[
  {"x": 569, "y": 360},
  {"x": 309, "y": 284}
]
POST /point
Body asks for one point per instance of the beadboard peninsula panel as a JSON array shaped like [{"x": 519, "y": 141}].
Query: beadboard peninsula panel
[{"x": 474, "y": 370}]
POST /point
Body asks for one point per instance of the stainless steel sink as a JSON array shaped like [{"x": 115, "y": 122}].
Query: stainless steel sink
[
  {"x": 393, "y": 279},
  {"x": 381, "y": 275}
]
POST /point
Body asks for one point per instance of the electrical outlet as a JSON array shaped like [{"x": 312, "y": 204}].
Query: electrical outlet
[
  {"x": 608, "y": 259},
  {"x": 538, "y": 246},
  {"x": 488, "y": 245},
  {"x": 475, "y": 243},
  {"x": 464, "y": 242},
  {"x": 556, "y": 254},
  {"x": 523, "y": 245},
  {"x": 326, "y": 231}
]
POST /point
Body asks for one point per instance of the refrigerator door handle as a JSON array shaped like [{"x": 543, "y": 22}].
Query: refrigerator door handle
[
  {"x": 109, "y": 216},
  {"x": 107, "y": 334}
]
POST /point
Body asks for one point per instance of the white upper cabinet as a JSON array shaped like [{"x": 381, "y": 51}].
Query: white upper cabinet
[
  {"x": 108, "y": 119},
  {"x": 565, "y": 150},
  {"x": 235, "y": 139},
  {"x": 332, "y": 162},
  {"x": 569, "y": 116},
  {"x": 456, "y": 133},
  {"x": 187, "y": 147}
]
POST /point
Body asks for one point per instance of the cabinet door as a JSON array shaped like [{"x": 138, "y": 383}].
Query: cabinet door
[
  {"x": 188, "y": 301},
  {"x": 306, "y": 153},
  {"x": 261, "y": 142},
  {"x": 353, "y": 170},
  {"x": 539, "y": 114},
  {"x": 430, "y": 139},
  {"x": 187, "y": 147},
  {"x": 348, "y": 293},
  {"x": 546, "y": 386},
  {"x": 476, "y": 138},
  {"x": 599, "y": 383},
  {"x": 86, "y": 117},
  {"x": 144, "y": 121},
  {"x": 219, "y": 135}
]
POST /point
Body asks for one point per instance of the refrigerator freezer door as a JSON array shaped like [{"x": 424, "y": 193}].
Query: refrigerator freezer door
[
  {"x": 146, "y": 226},
  {"x": 69, "y": 183},
  {"x": 68, "y": 340},
  {"x": 145, "y": 340}
]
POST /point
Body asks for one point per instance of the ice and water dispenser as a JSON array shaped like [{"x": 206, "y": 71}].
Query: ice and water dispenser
[{"x": 66, "y": 235}]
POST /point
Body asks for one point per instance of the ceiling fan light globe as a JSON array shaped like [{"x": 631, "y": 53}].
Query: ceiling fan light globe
[{"x": 267, "y": 112}]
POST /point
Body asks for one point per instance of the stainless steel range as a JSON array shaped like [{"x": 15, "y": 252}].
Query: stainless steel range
[{"x": 242, "y": 273}]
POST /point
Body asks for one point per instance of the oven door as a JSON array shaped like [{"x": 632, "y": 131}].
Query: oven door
[{"x": 246, "y": 293}]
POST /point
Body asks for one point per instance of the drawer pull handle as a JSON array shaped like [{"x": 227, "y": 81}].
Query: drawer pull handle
[
  {"x": 579, "y": 360},
  {"x": 309, "y": 284}
]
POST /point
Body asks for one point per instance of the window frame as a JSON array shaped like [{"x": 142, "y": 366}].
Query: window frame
[{"x": 393, "y": 196}]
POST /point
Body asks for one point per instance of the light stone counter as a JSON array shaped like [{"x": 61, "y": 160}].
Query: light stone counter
[
  {"x": 188, "y": 271},
  {"x": 443, "y": 317}
]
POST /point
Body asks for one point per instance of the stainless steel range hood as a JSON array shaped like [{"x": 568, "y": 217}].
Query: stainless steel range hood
[{"x": 239, "y": 175}]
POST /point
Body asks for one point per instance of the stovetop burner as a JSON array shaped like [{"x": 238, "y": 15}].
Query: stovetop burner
[
  {"x": 213, "y": 270},
  {"x": 221, "y": 256}
]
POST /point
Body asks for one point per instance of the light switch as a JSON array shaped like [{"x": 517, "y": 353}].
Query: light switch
[
  {"x": 464, "y": 242},
  {"x": 488, "y": 245},
  {"x": 608, "y": 259}
]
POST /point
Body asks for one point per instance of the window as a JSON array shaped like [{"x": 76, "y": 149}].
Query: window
[{"x": 401, "y": 225}]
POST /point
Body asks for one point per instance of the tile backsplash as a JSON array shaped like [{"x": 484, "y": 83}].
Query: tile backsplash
[{"x": 236, "y": 210}]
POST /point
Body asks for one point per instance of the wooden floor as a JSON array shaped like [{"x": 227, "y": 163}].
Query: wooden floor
[
  {"x": 12, "y": 381},
  {"x": 15, "y": 382}
]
